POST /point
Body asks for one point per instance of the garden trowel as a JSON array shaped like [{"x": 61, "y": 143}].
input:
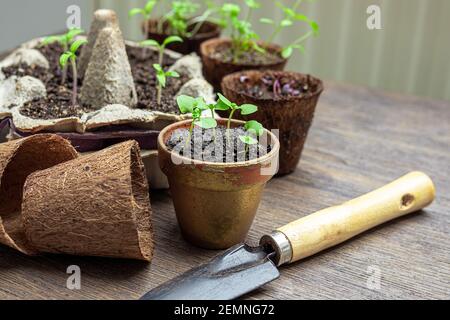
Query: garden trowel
[{"x": 242, "y": 268}]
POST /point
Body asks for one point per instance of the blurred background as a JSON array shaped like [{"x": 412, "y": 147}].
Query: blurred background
[{"x": 410, "y": 54}]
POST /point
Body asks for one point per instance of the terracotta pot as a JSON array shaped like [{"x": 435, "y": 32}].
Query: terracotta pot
[
  {"x": 208, "y": 31},
  {"x": 293, "y": 116},
  {"x": 215, "y": 203},
  {"x": 214, "y": 70}
]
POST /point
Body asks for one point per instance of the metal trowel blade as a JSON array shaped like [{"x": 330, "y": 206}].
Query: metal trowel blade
[{"x": 230, "y": 275}]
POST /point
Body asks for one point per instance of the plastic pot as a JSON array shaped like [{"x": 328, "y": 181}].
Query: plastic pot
[
  {"x": 292, "y": 115},
  {"x": 215, "y": 203},
  {"x": 215, "y": 70}
]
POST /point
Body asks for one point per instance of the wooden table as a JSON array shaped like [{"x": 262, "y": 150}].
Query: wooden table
[{"x": 360, "y": 140}]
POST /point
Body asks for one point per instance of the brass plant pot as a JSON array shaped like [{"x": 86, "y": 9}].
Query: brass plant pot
[{"x": 215, "y": 203}]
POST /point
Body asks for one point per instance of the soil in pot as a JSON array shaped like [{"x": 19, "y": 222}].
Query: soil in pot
[
  {"x": 215, "y": 202},
  {"x": 286, "y": 102},
  {"x": 208, "y": 30},
  {"x": 217, "y": 56},
  {"x": 215, "y": 145},
  {"x": 57, "y": 104}
]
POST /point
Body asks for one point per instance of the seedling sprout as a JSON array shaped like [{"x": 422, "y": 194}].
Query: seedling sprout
[
  {"x": 161, "y": 77},
  {"x": 71, "y": 55},
  {"x": 161, "y": 47}
]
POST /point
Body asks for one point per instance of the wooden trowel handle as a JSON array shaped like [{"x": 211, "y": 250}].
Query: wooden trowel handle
[{"x": 334, "y": 225}]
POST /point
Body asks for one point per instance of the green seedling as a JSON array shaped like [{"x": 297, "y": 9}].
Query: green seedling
[
  {"x": 243, "y": 38},
  {"x": 64, "y": 40},
  {"x": 161, "y": 47},
  {"x": 290, "y": 17},
  {"x": 253, "y": 129},
  {"x": 146, "y": 12},
  {"x": 71, "y": 55},
  {"x": 178, "y": 17},
  {"x": 196, "y": 106},
  {"x": 161, "y": 77},
  {"x": 225, "y": 104}
]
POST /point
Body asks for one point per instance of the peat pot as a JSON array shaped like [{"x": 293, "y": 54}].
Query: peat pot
[
  {"x": 214, "y": 69},
  {"x": 292, "y": 115},
  {"x": 215, "y": 203}
]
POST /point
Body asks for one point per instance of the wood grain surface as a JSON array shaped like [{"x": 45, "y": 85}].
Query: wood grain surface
[{"x": 360, "y": 140}]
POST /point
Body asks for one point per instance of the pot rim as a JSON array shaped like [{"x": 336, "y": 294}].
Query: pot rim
[
  {"x": 221, "y": 40},
  {"x": 204, "y": 35},
  {"x": 220, "y": 165},
  {"x": 231, "y": 78}
]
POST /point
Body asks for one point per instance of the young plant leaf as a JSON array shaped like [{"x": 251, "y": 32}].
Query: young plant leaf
[
  {"x": 172, "y": 74},
  {"x": 161, "y": 77},
  {"x": 248, "y": 140},
  {"x": 64, "y": 58},
  {"x": 207, "y": 123},
  {"x": 247, "y": 109},
  {"x": 287, "y": 52},
  {"x": 224, "y": 100},
  {"x": 135, "y": 11},
  {"x": 149, "y": 6},
  {"x": 254, "y": 127},
  {"x": 266, "y": 21},
  {"x": 72, "y": 34},
  {"x": 171, "y": 39},
  {"x": 150, "y": 43},
  {"x": 252, "y": 4},
  {"x": 286, "y": 23},
  {"x": 185, "y": 103},
  {"x": 77, "y": 44},
  {"x": 158, "y": 67}
]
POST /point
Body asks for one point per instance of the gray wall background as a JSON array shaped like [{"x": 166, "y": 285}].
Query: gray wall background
[{"x": 411, "y": 54}]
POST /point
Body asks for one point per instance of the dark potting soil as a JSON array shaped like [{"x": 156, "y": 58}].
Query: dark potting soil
[
  {"x": 224, "y": 53},
  {"x": 276, "y": 86},
  {"x": 58, "y": 102},
  {"x": 214, "y": 145}
]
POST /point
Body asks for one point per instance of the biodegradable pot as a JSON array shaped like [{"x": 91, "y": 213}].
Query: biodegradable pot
[
  {"x": 18, "y": 159},
  {"x": 208, "y": 31},
  {"x": 215, "y": 203},
  {"x": 292, "y": 115},
  {"x": 215, "y": 70},
  {"x": 96, "y": 205}
]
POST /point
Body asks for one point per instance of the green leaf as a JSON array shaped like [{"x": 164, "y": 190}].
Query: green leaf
[
  {"x": 200, "y": 103},
  {"x": 301, "y": 17},
  {"x": 185, "y": 103},
  {"x": 72, "y": 34},
  {"x": 233, "y": 10},
  {"x": 161, "y": 77},
  {"x": 253, "y": 4},
  {"x": 172, "y": 74},
  {"x": 287, "y": 52},
  {"x": 158, "y": 67},
  {"x": 225, "y": 101},
  {"x": 135, "y": 11},
  {"x": 150, "y": 43},
  {"x": 299, "y": 47},
  {"x": 286, "y": 23},
  {"x": 254, "y": 127},
  {"x": 51, "y": 39},
  {"x": 248, "y": 140},
  {"x": 266, "y": 21},
  {"x": 171, "y": 39},
  {"x": 77, "y": 44},
  {"x": 247, "y": 109},
  {"x": 196, "y": 113},
  {"x": 64, "y": 58},
  {"x": 149, "y": 6},
  {"x": 207, "y": 123},
  {"x": 315, "y": 27}
]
